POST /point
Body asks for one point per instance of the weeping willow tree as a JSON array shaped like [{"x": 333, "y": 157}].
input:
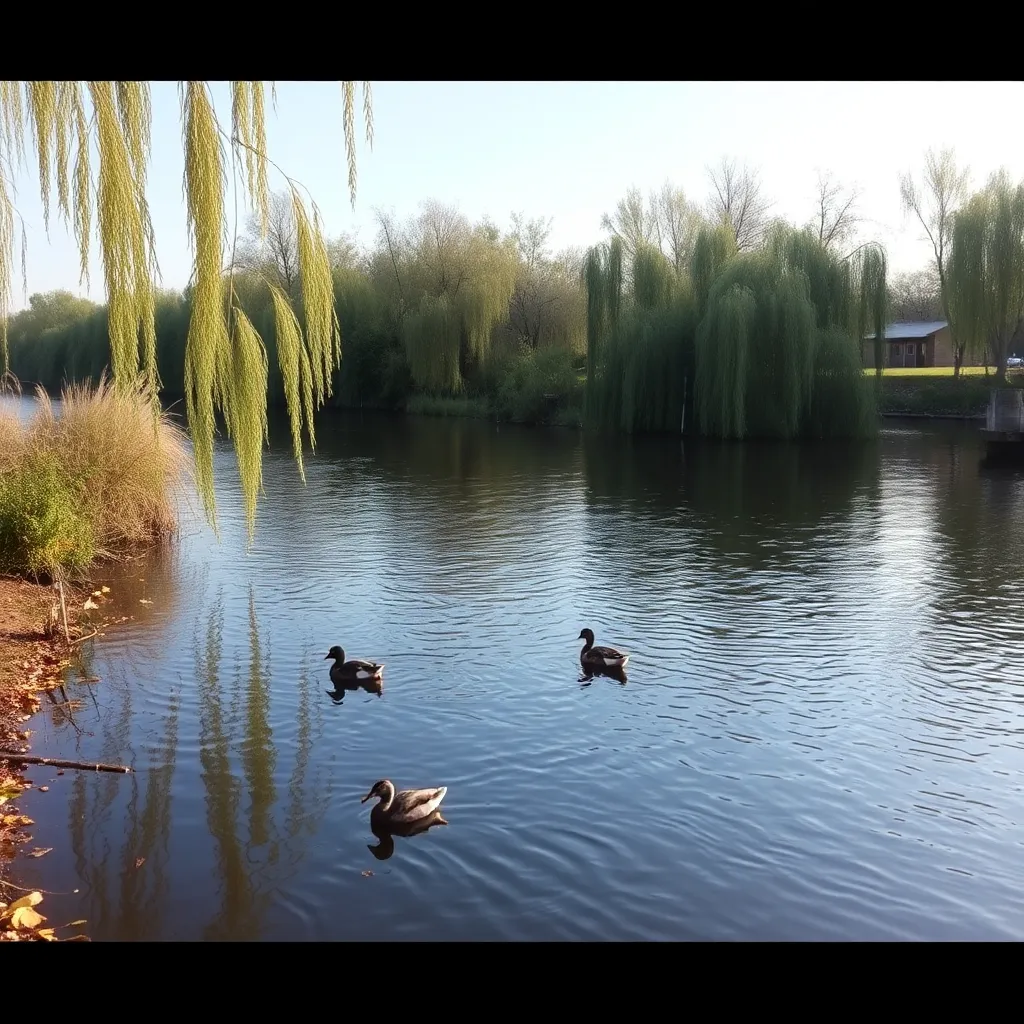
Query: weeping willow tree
[
  {"x": 465, "y": 279},
  {"x": 781, "y": 328},
  {"x": 712, "y": 249},
  {"x": 986, "y": 270},
  {"x": 65, "y": 127},
  {"x": 601, "y": 278},
  {"x": 646, "y": 353}
]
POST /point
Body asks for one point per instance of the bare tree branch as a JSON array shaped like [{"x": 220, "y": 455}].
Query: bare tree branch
[
  {"x": 935, "y": 203},
  {"x": 738, "y": 200},
  {"x": 836, "y": 219}
]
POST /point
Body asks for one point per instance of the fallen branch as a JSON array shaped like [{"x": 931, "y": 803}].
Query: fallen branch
[{"x": 9, "y": 755}]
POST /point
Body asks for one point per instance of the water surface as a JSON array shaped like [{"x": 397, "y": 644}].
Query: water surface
[{"x": 820, "y": 736}]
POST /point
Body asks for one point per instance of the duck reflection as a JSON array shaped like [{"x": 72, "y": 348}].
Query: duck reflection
[
  {"x": 618, "y": 674},
  {"x": 340, "y": 689},
  {"x": 385, "y": 833}
]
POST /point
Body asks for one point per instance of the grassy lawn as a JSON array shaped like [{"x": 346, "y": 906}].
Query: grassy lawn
[{"x": 928, "y": 371}]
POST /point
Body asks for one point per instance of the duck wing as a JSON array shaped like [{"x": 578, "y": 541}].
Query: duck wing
[
  {"x": 356, "y": 666},
  {"x": 413, "y": 804},
  {"x": 607, "y": 652}
]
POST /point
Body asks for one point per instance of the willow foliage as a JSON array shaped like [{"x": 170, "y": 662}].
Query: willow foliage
[
  {"x": 712, "y": 249},
  {"x": 986, "y": 269},
  {"x": 781, "y": 328},
  {"x": 647, "y": 351},
  {"x": 225, "y": 357},
  {"x": 459, "y": 281},
  {"x": 601, "y": 278},
  {"x": 433, "y": 337}
]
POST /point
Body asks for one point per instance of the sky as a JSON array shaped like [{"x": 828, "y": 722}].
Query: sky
[{"x": 570, "y": 151}]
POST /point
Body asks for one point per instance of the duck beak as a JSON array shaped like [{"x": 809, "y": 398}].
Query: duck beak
[
  {"x": 327, "y": 657},
  {"x": 367, "y": 797}
]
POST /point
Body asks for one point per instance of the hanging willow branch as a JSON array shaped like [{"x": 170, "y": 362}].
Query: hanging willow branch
[
  {"x": 225, "y": 358},
  {"x": 986, "y": 269}
]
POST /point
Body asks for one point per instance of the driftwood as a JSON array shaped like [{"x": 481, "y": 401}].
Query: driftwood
[{"x": 53, "y": 762}]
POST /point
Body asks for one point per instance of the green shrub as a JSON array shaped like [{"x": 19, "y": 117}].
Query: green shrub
[
  {"x": 539, "y": 386},
  {"x": 43, "y": 531}
]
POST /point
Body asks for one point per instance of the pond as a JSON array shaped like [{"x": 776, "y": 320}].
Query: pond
[{"x": 820, "y": 734}]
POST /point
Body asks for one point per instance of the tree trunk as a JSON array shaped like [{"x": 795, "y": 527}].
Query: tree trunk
[
  {"x": 1001, "y": 364},
  {"x": 958, "y": 358}
]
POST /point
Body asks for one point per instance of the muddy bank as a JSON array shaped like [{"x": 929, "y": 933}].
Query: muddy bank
[{"x": 34, "y": 653}]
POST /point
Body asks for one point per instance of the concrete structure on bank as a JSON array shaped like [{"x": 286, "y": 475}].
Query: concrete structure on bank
[
  {"x": 1004, "y": 424},
  {"x": 916, "y": 344}
]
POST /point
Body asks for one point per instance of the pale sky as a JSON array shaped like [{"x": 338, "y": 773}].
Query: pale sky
[{"x": 570, "y": 150}]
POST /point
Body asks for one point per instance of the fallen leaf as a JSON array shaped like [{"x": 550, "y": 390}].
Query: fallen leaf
[
  {"x": 17, "y": 819},
  {"x": 26, "y": 917},
  {"x": 75, "y": 924},
  {"x": 44, "y": 789},
  {"x": 143, "y": 600},
  {"x": 33, "y": 899},
  {"x": 90, "y": 603},
  {"x": 97, "y": 593},
  {"x": 105, "y": 590},
  {"x": 47, "y": 933},
  {"x": 367, "y": 874},
  {"x": 37, "y": 852},
  {"x": 78, "y": 938},
  {"x": 139, "y": 861}
]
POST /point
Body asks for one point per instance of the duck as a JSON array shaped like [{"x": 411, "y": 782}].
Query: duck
[
  {"x": 405, "y": 807},
  {"x": 343, "y": 671},
  {"x": 597, "y": 658}
]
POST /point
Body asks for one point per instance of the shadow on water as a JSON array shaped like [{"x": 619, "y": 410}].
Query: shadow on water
[
  {"x": 337, "y": 695},
  {"x": 618, "y": 674},
  {"x": 385, "y": 834}
]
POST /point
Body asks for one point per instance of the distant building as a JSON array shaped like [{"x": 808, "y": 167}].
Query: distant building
[{"x": 920, "y": 343}]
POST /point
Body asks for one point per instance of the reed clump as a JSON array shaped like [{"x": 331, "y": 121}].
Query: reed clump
[{"x": 97, "y": 479}]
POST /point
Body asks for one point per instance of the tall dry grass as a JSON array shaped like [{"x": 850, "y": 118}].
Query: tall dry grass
[{"x": 105, "y": 470}]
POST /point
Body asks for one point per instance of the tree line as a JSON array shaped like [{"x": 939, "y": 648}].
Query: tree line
[{"x": 679, "y": 307}]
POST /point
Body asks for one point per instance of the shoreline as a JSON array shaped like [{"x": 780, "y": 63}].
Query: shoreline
[
  {"x": 903, "y": 399},
  {"x": 34, "y": 656}
]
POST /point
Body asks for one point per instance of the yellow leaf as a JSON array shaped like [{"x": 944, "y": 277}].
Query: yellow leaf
[
  {"x": 75, "y": 924},
  {"x": 143, "y": 600},
  {"x": 47, "y": 933},
  {"x": 33, "y": 899},
  {"x": 90, "y": 603},
  {"x": 105, "y": 590},
  {"x": 26, "y": 917}
]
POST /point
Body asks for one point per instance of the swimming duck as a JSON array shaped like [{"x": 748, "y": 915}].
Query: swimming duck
[
  {"x": 410, "y": 805},
  {"x": 343, "y": 671},
  {"x": 592, "y": 657}
]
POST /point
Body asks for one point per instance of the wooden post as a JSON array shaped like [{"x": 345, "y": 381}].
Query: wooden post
[{"x": 64, "y": 613}]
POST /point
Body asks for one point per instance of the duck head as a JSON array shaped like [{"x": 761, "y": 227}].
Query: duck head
[
  {"x": 383, "y": 788},
  {"x": 588, "y": 635},
  {"x": 335, "y": 652}
]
